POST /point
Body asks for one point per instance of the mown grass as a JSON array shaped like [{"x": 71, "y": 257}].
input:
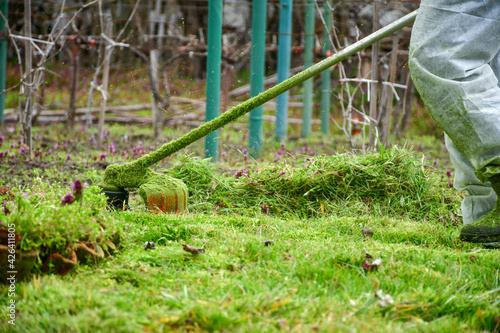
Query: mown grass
[{"x": 309, "y": 278}]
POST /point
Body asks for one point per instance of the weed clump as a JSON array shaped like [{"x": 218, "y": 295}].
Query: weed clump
[
  {"x": 393, "y": 182},
  {"x": 49, "y": 225}
]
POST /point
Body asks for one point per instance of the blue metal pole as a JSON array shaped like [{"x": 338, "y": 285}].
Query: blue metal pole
[
  {"x": 4, "y": 5},
  {"x": 325, "y": 84},
  {"x": 257, "y": 71},
  {"x": 214, "y": 41},
  {"x": 308, "y": 61},
  {"x": 284, "y": 44}
]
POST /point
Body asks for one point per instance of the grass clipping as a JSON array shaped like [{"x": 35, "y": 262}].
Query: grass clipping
[{"x": 391, "y": 183}]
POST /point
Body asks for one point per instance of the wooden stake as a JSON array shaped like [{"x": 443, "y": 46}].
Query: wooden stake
[{"x": 105, "y": 77}]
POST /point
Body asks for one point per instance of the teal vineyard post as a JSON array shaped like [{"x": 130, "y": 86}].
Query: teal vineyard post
[
  {"x": 308, "y": 61},
  {"x": 4, "y": 5},
  {"x": 326, "y": 77},
  {"x": 214, "y": 41},
  {"x": 284, "y": 41},
  {"x": 257, "y": 71}
]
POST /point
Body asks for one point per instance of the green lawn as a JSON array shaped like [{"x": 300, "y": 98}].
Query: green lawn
[
  {"x": 314, "y": 275},
  {"x": 310, "y": 278}
]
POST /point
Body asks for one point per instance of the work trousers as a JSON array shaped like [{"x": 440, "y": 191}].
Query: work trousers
[{"x": 455, "y": 66}]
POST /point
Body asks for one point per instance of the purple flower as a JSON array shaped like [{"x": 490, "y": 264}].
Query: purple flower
[
  {"x": 5, "y": 209},
  {"x": 244, "y": 150},
  {"x": 282, "y": 144},
  {"x": 56, "y": 146},
  {"x": 240, "y": 173},
  {"x": 281, "y": 173},
  {"x": 77, "y": 187},
  {"x": 68, "y": 157},
  {"x": 102, "y": 156},
  {"x": 23, "y": 150},
  {"x": 111, "y": 148},
  {"x": 264, "y": 209},
  {"x": 448, "y": 173},
  {"x": 67, "y": 199},
  {"x": 223, "y": 153}
]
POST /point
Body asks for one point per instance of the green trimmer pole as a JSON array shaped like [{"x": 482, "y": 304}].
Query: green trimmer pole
[
  {"x": 214, "y": 41},
  {"x": 132, "y": 174},
  {"x": 326, "y": 77},
  {"x": 284, "y": 44},
  {"x": 257, "y": 70},
  {"x": 4, "y": 7},
  {"x": 308, "y": 61}
]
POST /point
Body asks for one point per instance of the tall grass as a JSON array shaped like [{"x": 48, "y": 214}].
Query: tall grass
[{"x": 392, "y": 182}]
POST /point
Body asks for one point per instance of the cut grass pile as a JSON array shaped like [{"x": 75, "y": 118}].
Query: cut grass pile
[{"x": 393, "y": 182}]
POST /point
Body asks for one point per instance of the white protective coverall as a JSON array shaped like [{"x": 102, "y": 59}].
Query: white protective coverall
[{"x": 455, "y": 65}]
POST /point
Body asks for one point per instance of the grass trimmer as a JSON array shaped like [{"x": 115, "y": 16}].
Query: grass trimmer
[{"x": 161, "y": 192}]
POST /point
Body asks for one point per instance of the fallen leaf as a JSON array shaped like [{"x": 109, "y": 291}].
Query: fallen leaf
[
  {"x": 366, "y": 265},
  {"x": 149, "y": 246},
  {"x": 367, "y": 233},
  {"x": 192, "y": 249},
  {"x": 367, "y": 255},
  {"x": 373, "y": 266},
  {"x": 384, "y": 299}
]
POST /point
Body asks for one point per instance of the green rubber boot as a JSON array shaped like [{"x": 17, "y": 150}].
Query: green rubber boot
[{"x": 487, "y": 230}]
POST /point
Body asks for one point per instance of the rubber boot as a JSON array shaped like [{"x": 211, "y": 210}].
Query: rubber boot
[{"x": 487, "y": 230}]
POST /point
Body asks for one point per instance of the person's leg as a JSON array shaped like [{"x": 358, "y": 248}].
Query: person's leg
[
  {"x": 481, "y": 198},
  {"x": 454, "y": 65},
  {"x": 454, "y": 43}
]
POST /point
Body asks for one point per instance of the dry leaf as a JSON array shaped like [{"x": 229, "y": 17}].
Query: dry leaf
[
  {"x": 267, "y": 242},
  {"x": 192, "y": 249},
  {"x": 149, "y": 246},
  {"x": 373, "y": 266},
  {"x": 367, "y": 255},
  {"x": 384, "y": 299},
  {"x": 367, "y": 233}
]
